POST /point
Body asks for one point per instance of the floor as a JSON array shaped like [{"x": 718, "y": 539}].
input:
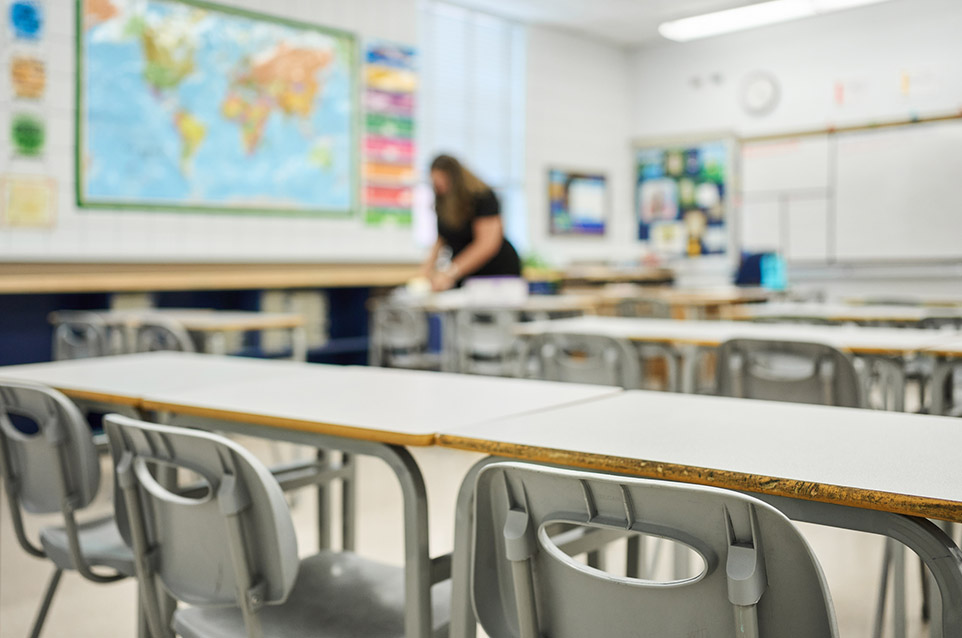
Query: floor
[{"x": 82, "y": 609}]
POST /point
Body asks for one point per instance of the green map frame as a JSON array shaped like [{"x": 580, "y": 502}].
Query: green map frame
[{"x": 351, "y": 40}]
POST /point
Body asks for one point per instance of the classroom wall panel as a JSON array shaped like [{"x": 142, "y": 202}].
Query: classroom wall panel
[
  {"x": 578, "y": 119},
  {"x": 98, "y": 235},
  {"x": 806, "y": 234}
]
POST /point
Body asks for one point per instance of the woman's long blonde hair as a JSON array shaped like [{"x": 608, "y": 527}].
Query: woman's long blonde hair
[{"x": 454, "y": 207}]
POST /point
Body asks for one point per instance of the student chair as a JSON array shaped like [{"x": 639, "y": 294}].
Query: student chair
[
  {"x": 647, "y": 308},
  {"x": 159, "y": 333},
  {"x": 79, "y": 335},
  {"x": 484, "y": 341},
  {"x": 788, "y": 371},
  {"x": 400, "y": 338},
  {"x": 227, "y": 548},
  {"x": 593, "y": 359},
  {"x": 759, "y": 576},
  {"x": 49, "y": 464}
]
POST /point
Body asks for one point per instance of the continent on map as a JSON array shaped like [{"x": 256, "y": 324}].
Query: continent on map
[
  {"x": 97, "y": 11},
  {"x": 169, "y": 57},
  {"x": 192, "y": 132},
  {"x": 286, "y": 79}
]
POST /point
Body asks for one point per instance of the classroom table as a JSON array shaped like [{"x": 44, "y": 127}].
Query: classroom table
[
  {"x": 685, "y": 303},
  {"x": 870, "y": 471},
  {"x": 684, "y": 339},
  {"x": 212, "y": 325},
  {"x": 842, "y": 312},
  {"x": 447, "y": 305},
  {"x": 356, "y": 410}
]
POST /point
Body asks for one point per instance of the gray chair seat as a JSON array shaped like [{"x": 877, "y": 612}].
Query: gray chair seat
[
  {"x": 336, "y": 595},
  {"x": 100, "y": 543}
]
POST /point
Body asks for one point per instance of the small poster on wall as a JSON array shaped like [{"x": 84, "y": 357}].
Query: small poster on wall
[
  {"x": 681, "y": 197},
  {"x": 577, "y": 202},
  {"x": 390, "y": 82},
  {"x": 27, "y": 201}
]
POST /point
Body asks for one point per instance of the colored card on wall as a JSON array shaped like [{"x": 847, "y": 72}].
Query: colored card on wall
[
  {"x": 28, "y": 202},
  {"x": 28, "y": 77},
  {"x": 27, "y": 133},
  {"x": 26, "y": 19}
]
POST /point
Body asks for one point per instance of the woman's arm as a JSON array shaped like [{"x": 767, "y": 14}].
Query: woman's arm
[
  {"x": 427, "y": 268},
  {"x": 488, "y": 237}
]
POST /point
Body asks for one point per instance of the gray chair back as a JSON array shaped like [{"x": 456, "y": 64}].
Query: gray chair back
[
  {"x": 49, "y": 464},
  {"x": 51, "y": 456},
  {"x": 399, "y": 335},
  {"x": 647, "y": 308},
  {"x": 593, "y": 359},
  {"x": 759, "y": 578},
  {"x": 484, "y": 341},
  {"x": 158, "y": 333},
  {"x": 792, "y": 371},
  {"x": 227, "y": 541},
  {"x": 79, "y": 335}
]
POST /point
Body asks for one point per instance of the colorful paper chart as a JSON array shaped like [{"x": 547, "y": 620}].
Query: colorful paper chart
[
  {"x": 28, "y": 202},
  {"x": 390, "y": 79}
]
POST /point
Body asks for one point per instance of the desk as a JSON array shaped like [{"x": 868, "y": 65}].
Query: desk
[
  {"x": 448, "y": 304},
  {"x": 212, "y": 325},
  {"x": 686, "y": 337},
  {"x": 357, "y": 410},
  {"x": 840, "y": 312},
  {"x": 687, "y": 303},
  {"x": 879, "y": 472}
]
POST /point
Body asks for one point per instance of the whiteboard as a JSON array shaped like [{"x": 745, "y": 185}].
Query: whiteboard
[
  {"x": 786, "y": 165},
  {"x": 899, "y": 193}
]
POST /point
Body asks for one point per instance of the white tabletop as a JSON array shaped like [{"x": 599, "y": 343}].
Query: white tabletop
[
  {"x": 857, "y": 339},
  {"x": 454, "y": 300},
  {"x": 125, "y": 379},
  {"x": 720, "y": 295},
  {"x": 203, "y": 319},
  {"x": 392, "y": 406},
  {"x": 844, "y": 312},
  {"x": 880, "y": 460}
]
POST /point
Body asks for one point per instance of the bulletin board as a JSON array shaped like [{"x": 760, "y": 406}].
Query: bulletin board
[
  {"x": 577, "y": 202},
  {"x": 682, "y": 196}
]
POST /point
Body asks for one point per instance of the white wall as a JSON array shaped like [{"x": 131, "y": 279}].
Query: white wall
[
  {"x": 866, "y": 50},
  {"x": 139, "y": 236},
  {"x": 578, "y": 116},
  {"x": 689, "y": 88}
]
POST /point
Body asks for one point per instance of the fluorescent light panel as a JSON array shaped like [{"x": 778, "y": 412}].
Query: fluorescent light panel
[{"x": 752, "y": 16}]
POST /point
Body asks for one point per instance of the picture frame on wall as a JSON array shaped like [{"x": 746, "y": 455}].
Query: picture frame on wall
[{"x": 578, "y": 202}]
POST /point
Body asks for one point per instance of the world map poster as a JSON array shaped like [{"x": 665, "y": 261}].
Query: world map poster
[{"x": 190, "y": 105}]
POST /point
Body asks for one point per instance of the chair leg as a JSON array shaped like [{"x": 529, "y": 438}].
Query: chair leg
[
  {"x": 926, "y": 615},
  {"x": 45, "y": 605},
  {"x": 883, "y": 591}
]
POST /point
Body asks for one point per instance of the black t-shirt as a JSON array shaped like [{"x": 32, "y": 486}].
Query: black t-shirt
[{"x": 505, "y": 262}]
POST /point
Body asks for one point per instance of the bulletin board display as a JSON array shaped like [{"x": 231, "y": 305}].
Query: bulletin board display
[
  {"x": 577, "y": 202},
  {"x": 682, "y": 197},
  {"x": 213, "y": 108}
]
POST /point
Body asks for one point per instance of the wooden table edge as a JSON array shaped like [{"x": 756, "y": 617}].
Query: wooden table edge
[
  {"x": 301, "y": 425},
  {"x": 819, "y": 492}
]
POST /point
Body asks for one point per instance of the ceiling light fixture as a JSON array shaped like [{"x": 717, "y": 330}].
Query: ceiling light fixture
[{"x": 752, "y": 16}]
